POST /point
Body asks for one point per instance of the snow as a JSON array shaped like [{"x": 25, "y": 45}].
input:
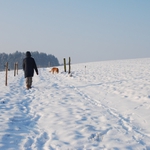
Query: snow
[{"x": 100, "y": 106}]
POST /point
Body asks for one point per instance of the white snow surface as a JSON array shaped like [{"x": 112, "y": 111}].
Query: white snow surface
[{"x": 99, "y": 106}]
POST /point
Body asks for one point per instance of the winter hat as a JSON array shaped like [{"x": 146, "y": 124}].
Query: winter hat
[{"x": 28, "y": 54}]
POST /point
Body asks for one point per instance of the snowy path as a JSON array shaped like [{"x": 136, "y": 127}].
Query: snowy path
[{"x": 106, "y": 107}]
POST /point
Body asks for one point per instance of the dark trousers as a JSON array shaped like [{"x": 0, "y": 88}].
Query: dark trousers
[{"x": 28, "y": 82}]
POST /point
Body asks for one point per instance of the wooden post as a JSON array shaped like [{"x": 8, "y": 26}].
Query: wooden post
[
  {"x": 64, "y": 65},
  {"x": 14, "y": 69},
  {"x": 17, "y": 67},
  {"x": 6, "y": 68},
  {"x": 69, "y": 65}
]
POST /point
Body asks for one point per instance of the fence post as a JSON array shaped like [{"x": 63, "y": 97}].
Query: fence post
[
  {"x": 17, "y": 67},
  {"x": 14, "y": 69},
  {"x": 6, "y": 76},
  {"x": 64, "y": 65},
  {"x": 69, "y": 65}
]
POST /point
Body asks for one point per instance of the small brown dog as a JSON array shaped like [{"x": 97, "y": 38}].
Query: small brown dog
[{"x": 54, "y": 70}]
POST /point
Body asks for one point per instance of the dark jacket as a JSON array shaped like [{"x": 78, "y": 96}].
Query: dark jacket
[{"x": 29, "y": 65}]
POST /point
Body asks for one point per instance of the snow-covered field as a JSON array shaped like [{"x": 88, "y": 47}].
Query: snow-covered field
[{"x": 102, "y": 106}]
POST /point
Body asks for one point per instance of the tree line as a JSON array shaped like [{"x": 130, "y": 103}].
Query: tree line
[{"x": 42, "y": 59}]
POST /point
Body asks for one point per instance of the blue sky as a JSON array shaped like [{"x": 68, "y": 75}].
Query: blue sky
[{"x": 85, "y": 30}]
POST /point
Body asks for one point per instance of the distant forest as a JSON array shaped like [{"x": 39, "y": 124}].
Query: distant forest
[{"x": 42, "y": 60}]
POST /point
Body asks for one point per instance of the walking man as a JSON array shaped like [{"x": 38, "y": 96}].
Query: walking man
[{"x": 29, "y": 66}]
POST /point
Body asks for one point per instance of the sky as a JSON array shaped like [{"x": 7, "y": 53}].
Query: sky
[
  {"x": 105, "y": 107},
  {"x": 86, "y": 31}
]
